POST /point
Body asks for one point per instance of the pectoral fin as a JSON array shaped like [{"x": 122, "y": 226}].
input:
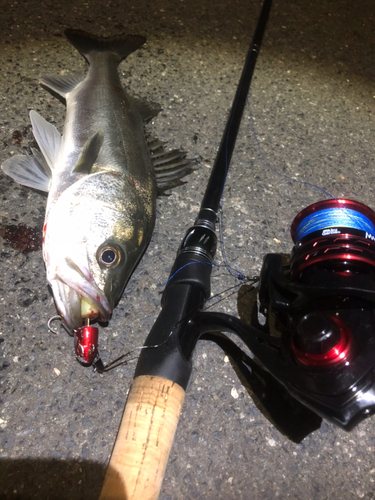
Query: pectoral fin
[
  {"x": 30, "y": 171},
  {"x": 89, "y": 154}
]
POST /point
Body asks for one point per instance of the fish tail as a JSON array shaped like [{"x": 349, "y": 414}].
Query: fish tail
[{"x": 120, "y": 45}]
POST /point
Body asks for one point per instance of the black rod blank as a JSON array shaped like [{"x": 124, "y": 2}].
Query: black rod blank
[
  {"x": 173, "y": 336},
  {"x": 215, "y": 187}
]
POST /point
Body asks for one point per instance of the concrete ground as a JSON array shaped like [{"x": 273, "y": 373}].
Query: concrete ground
[{"x": 311, "y": 107}]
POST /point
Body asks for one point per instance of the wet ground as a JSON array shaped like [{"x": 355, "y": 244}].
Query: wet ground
[{"x": 311, "y": 108}]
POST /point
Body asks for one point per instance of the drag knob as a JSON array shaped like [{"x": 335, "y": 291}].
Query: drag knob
[{"x": 317, "y": 333}]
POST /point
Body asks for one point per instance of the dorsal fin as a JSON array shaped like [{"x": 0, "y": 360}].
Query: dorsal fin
[
  {"x": 89, "y": 154},
  {"x": 170, "y": 166},
  {"x": 60, "y": 86},
  {"x": 47, "y": 137}
]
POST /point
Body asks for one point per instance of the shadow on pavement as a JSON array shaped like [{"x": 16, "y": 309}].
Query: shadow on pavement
[{"x": 50, "y": 479}]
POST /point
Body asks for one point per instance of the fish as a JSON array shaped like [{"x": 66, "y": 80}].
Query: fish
[{"x": 102, "y": 176}]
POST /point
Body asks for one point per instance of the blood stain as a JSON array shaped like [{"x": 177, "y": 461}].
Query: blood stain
[
  {"x": 17, "y": 136},
  {"x": 21, "y": 237}
]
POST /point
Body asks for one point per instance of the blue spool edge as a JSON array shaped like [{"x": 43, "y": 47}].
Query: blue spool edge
[{"x": 334, "y": 217}]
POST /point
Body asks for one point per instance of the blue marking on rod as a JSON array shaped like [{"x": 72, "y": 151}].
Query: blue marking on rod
[
  {"x": 189, "y": 264},
  {"x": 333, "y": 217}
]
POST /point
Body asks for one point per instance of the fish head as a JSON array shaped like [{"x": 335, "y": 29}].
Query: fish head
[{"x": 94, "y": 235}]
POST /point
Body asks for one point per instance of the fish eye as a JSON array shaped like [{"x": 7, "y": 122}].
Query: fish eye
[{"x": 110, "y": 256}]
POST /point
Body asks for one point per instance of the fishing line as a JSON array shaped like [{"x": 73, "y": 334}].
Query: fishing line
[
  {"x": 336, "y": 216},
  {"x": 285, "y": 176},
  {"x": 232, "y": 271},
  {"x": 332, "y": 217},
  {"x": 189, "y": 264},
  {"x": 252, "y": 281},
  {"x": 235, "y": 273},
  {"x": 98, "y": 363},
  {"x": 101, "y": 368}
]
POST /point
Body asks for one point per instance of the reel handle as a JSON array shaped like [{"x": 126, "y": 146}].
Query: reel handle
[{"x": 144, "y": 440}]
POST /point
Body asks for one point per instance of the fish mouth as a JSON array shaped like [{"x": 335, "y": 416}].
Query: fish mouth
[{"x": 78, "y": 298}]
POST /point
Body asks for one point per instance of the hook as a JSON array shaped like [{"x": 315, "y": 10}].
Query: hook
[{"x": 54, "y": 318}]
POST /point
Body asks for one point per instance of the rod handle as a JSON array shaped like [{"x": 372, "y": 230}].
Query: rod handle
[{"x": 144, "y": 440}]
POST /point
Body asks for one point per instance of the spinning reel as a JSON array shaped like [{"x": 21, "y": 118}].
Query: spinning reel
[
  {"x": 318, "y": 341},
  {"x": 323, "y": 304}
]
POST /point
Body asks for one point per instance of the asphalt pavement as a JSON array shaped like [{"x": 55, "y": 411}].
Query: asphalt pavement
[{"x": 309, "y": 116}]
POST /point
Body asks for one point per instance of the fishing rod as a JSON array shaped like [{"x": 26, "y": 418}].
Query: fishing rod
[
  {"x": 314, "y": 354},
  {"x": 155, "y": 399}
]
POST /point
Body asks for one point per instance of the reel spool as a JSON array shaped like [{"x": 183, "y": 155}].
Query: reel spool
[
  {"x": 329, "y": 236},
  {"x": 336, "y": 235}
]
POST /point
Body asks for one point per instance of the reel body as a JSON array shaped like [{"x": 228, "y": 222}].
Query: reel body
[{"x": 322, "y": 307}]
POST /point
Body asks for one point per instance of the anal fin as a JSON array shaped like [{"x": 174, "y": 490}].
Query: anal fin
[{"x": 146, "y": 110}]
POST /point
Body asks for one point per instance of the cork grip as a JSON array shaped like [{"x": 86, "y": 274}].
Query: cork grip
[{"x": 144, "y": 440}]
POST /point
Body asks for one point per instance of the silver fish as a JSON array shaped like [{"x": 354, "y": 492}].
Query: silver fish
[{"x": 102, "y": 177}]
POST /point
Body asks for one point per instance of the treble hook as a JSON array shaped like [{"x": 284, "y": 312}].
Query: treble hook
[{"x": 54, "y": 318}]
